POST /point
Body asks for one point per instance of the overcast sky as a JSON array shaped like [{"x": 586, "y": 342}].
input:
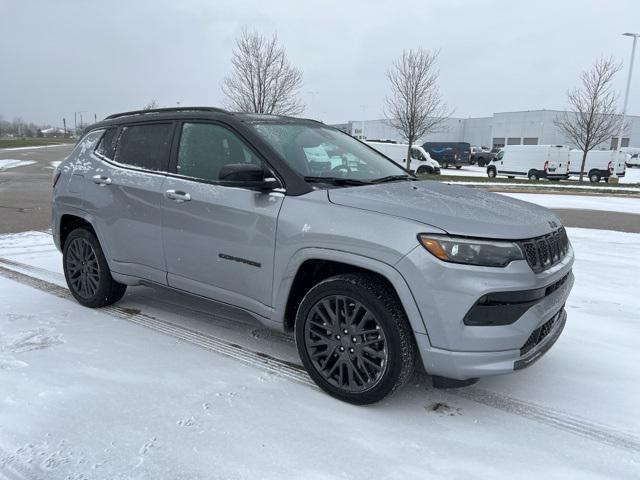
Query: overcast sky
[{"x": 108, "y": 56}]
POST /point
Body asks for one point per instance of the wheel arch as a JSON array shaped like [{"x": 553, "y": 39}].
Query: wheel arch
[
  {"x": 310, "y": 266},
  {"x": 69, "y": 222}
]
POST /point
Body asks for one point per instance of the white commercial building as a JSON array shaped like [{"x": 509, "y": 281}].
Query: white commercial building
[{"x": 531, "y": 127}]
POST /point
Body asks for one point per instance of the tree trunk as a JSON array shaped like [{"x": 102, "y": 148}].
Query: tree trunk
[
  {"x": 584, "y": 160},
  {"x": 409, "y": 156}
]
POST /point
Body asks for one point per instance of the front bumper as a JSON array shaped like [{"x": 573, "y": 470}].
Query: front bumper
[{"x": 446, "y": 292}]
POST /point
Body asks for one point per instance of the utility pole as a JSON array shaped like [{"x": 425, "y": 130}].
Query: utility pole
[
  {"x": 624, "y": 105},
  {"x": 64, "y": 124}
]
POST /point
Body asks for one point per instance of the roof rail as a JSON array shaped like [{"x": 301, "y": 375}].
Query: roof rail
[{"x": 166, "y": 110}]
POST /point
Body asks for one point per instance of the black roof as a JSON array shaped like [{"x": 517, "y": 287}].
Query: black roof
[{"x": 191, "y": 112}]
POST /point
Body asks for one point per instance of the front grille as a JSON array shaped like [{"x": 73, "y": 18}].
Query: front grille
[
  {"x": 546, "y": 251},
  {"x": 540, "y": 333}
]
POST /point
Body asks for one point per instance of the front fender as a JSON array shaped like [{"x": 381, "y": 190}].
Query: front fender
[{"x": 283, "y": 288}]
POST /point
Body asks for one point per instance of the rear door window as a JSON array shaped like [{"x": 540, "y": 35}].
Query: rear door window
[
  {"x": 107, "y": 145},
  {"x": 145, "y": 146}
]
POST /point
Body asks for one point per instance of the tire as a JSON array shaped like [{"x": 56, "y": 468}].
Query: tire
[
  {"x": 472, "y": 161},
  {"x": 510, "y": 176},
  {"x": 445, "y": 164},
  {"x": 594, "y": 177},
  {"x": 350, "y": 372},
  {"x": 458, "y": 167},
  {"x": 422, "y": 170},
  {"x": 491, "y": 172},
  {"x": 481, "y": 162},
  {"x": 533, "y": 175},
  {"x": 86, "y": 271}
]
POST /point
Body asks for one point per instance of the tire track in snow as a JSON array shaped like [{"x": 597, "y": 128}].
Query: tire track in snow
[
  {"x": 541, "y": 414},
  {"x": 264, "y": 361},
  {"x": 551, "y": 417}
]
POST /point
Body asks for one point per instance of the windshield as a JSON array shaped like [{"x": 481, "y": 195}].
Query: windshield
[{"x": 318, "y": 152}]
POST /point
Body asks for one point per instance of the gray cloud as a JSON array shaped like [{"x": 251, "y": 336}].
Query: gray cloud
[{"x": 103, "y": 57}]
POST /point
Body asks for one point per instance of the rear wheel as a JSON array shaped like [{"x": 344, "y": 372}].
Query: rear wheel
[
  {"x": 445, "y": 164},
  {"x": 491, "y": 172},
  {"x": 533, "y": 175},
  {"x": 86, "y": 271},
  {"x": 594, "y": 177},
  {"x": 481, "y": 162},
  {"x": 458, "y": 167},
  {"x": 354, "y": 338}
]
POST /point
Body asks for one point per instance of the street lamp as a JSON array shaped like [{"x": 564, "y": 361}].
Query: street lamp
[{"x": 626, "y": 96}]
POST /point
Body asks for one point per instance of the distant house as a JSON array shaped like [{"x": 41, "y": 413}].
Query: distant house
[{"x": 53, "y": 132}]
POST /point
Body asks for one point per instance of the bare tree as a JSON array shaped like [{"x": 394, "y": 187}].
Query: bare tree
[
  {"x": 591, "y": 118},
  {"x": 153, "y": 104},
  {"x": 414, "y": 105},
  {"x": 262, "y": 80}
]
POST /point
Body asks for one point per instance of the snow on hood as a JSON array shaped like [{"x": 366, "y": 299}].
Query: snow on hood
[{"x": 455, "y": 209}]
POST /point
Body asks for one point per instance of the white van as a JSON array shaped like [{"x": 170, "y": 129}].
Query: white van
[
  {"x": 531, "y": 161},
  {"x": 599, "y": 164},
  {"x": 398, "y": 153}
]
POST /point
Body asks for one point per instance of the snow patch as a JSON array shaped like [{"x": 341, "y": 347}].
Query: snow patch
[{"x": 8, "y": 163}]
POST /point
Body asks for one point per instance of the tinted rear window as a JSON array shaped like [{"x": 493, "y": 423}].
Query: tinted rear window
[
  {"x": 145, "y": 146},
  {"x": 107, "y": 145}
]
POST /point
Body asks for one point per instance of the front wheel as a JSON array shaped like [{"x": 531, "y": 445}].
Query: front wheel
[
  {"x": 354, "y": 338},
  {"x": 481, "y": 162},
  {"x": 86, "y": 271},
  {"x": 458, "y": 167},
  {"x": 491, "y": 172}
]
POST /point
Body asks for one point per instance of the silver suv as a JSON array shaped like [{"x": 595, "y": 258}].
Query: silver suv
[{"x": 313, "y": 232}]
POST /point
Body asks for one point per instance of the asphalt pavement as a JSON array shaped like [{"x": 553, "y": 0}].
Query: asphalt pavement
[{"x": 25, "y": 195}]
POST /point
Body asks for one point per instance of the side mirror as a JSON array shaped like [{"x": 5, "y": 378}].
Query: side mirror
[{"x": 247, "y": 175}]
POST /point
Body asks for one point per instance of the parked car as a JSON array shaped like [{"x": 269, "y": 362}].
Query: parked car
[
  {"x": 531, "y": 161},
  {"x": 633, "y": 159},
  {"x": 481, "y": 156},
  {"x": 449, "y": 153},
  {"x": 315, "y": 233},
  {"x": 598, "y": 165},
  {"x": 398, "y": 153}
]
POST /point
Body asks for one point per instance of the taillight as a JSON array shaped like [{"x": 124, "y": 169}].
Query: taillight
[
  {"x": 610, "y": 166},
  {"x": 56, "y": 177},
  {"x": 546, "y": 164}
]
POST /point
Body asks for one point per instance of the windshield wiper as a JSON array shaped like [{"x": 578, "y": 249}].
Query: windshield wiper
[
  {"x": 336, "y": 180},
  {"x": 392, "y": 178}
]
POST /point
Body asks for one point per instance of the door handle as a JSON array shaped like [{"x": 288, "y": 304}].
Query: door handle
[
  {"x": 101, "y": 180},
  {"x": 178, "y": 195}
]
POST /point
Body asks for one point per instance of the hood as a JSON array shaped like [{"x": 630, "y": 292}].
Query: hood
[{"x": 455, "y": 209}]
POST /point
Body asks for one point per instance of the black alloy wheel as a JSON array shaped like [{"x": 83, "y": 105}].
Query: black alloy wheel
[
  {"x": 345, "y": 343},
  {"x": 87, "y": 272},
  {"x": 354, "y": 338},
  {"x": 83, "y": 268}
]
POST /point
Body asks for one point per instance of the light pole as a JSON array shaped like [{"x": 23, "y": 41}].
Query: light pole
[{"x": 626, "y": 100}]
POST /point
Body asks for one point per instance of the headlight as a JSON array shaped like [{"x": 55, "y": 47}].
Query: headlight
[{"x": 471, "y": 251}]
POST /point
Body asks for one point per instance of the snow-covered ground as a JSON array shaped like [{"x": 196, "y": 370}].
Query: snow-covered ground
[
  {"x": 12, "y": 163},
  {"x": 602, "y": 202},
  {"x": 12, "y": 149},
  {"x": 166, "y": 386}
]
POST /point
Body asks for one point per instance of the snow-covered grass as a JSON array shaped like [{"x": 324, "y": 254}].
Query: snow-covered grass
[
  {"x": 606, "y": 203},
  {"x": 7, "y": 163},
  {"x": 86, "y": 394}
]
